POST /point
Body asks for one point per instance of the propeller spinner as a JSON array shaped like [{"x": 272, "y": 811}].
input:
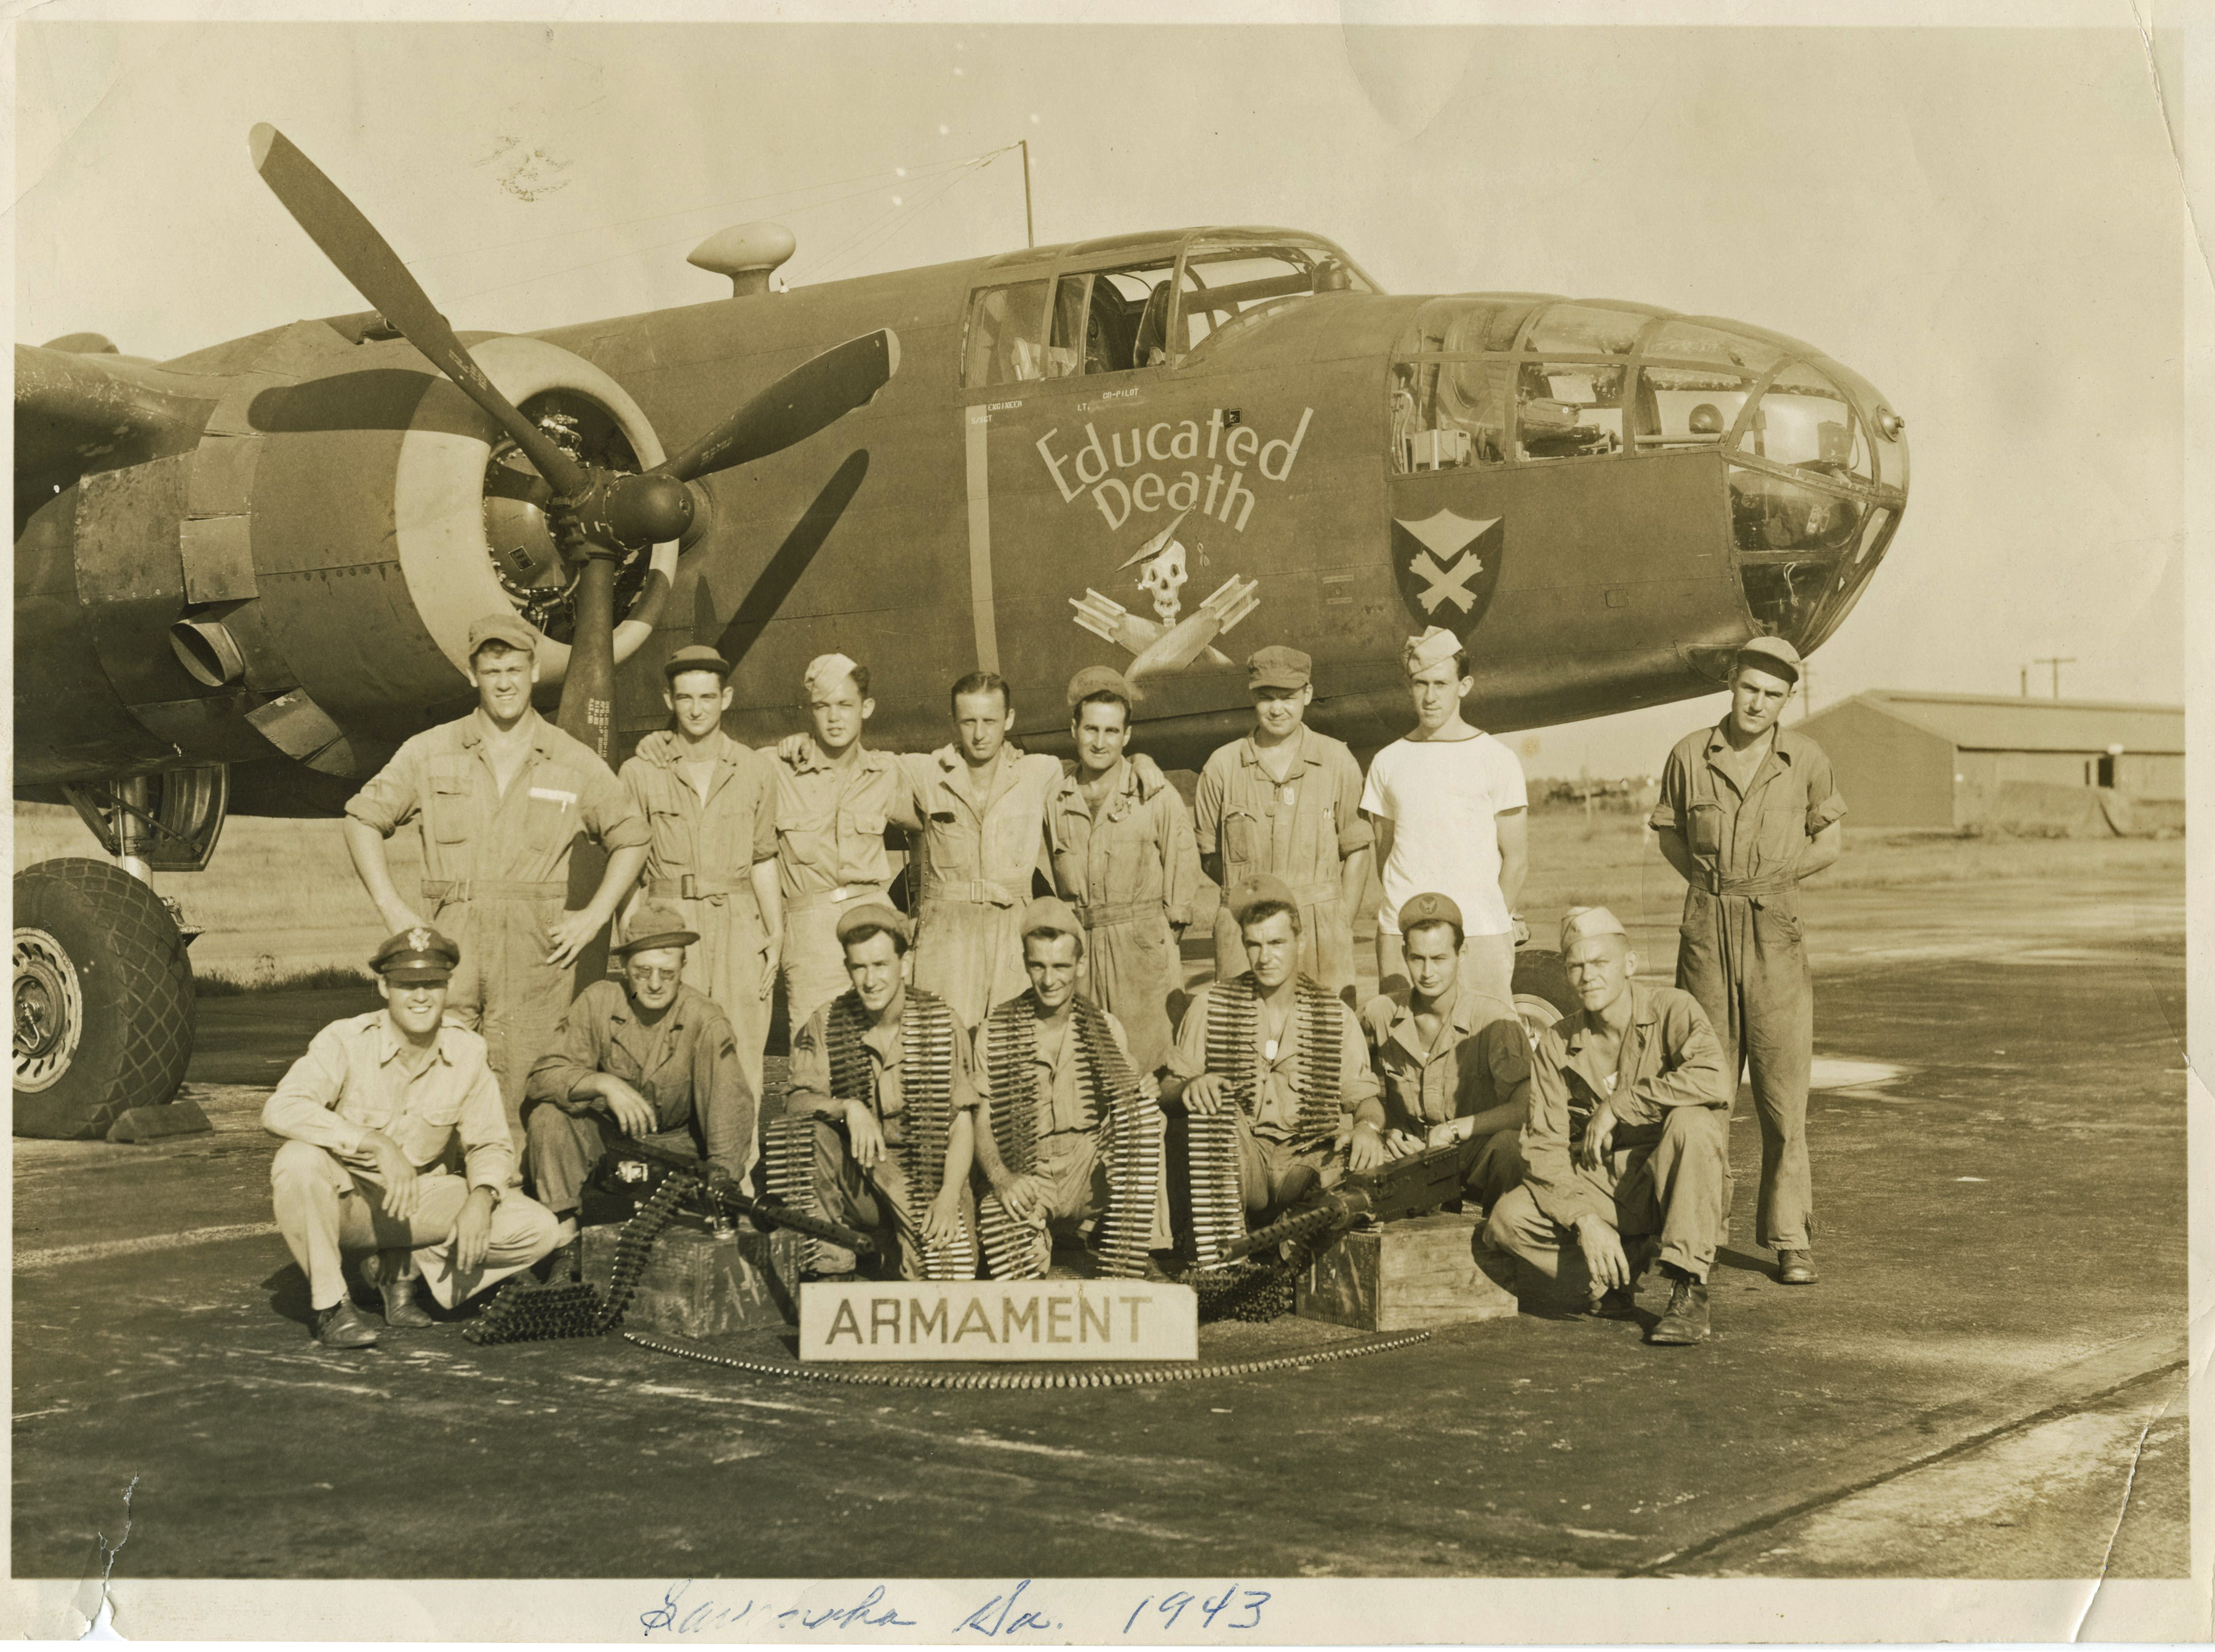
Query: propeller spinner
[{"x": 597, "y": 514}]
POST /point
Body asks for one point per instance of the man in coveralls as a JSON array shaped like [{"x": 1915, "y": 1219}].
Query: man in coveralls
[
  {"x": 502, "y": 794},
  {"x": 645, "y": 1057},
  {"x": 378, "y": 1116},
  {"x": 834, "y": 796},
  {"x": 1628, "y": 1138},
  {"x": 1123, "y": 858},
  {"x": 711, "y": 804},
  {"x": 1286, "y": 800},
  {"x": 1747, "y": 809}
]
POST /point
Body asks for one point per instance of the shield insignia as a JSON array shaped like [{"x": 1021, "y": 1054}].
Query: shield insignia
[{"x": 1447, "y": 567}]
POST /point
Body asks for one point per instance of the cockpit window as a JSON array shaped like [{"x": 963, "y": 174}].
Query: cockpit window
[
  {"x": 1688, "y": 341},
  {"x": 1685, "y": 406},
  {"x": 1803, "y": 419},
  {"x": 1112, "y": 320},
  {"x": 1567, "y": 409},
  {"x": 1582, "y": 329},
  {"x": 1005, "y": 339},
  {"x": 1225, "y": 281}
]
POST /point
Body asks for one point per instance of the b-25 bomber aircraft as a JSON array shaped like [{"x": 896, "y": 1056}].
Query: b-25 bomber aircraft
[{"x": 244, "y": 576}]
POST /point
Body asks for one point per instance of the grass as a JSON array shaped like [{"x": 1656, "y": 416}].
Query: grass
[
  {"x": 288, "y": 884},
  {"x": 267, "y": 976}
]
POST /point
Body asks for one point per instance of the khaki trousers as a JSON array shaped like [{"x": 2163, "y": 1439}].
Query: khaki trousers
[{"x": 881, "y": 1202}]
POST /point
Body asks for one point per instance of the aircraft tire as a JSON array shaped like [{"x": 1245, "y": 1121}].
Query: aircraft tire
[
  {"x": 1542, "y": 990},
  {"x": 104, "y": 1007}
]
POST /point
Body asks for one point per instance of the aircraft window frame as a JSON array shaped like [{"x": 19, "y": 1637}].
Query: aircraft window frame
[
  {"x": 1346, "y": 277},
  {"x": 1008, "y": 352},
  {"x": 1129, "y": 309}
]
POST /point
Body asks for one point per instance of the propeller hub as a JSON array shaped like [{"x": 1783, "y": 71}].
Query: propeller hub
[{"x": 646, "y": 509}]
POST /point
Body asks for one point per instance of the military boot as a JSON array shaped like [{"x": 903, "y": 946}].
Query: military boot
[
  {"x": 1684, "y": 1321},
  {"x": 393, "y": 1273}
]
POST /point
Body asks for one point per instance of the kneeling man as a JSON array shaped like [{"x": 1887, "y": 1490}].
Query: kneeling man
[
  {"x": 646, "y": 1057},
  {"x": 1052, "y": 1069},
  {"x": 1628, "y": 1138},
  {"x": 1282, "y": 1058},
  {"x": 884, "y": 1071},
  {"x": 1454, "y": 1061},
  {"x": 377, "y": 1115}
]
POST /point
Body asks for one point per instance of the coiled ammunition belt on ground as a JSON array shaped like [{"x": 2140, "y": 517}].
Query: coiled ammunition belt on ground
[{"x": 525, "y": 1311}]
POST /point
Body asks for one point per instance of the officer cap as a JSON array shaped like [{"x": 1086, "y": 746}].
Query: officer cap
[
  {"x": 1582, "y": 922},
  {"x": 1424, "y": 651},
  {"x": 1264, "y": 888},
  {"x": 1278, "y": 667},
  {"x": 654, "y": 925},
  {"x": 1428, "y": 908},
  {"x": 1770, "y": 654},
  {"x": 699, "y": 657},
  {"x": 1099, "y": 680},
  {"x": 873, "y": 915},
  {"x": 506, "y": 626},
  {"x": 420, "y": 954},
  {"x": 1047, "y": 912}
]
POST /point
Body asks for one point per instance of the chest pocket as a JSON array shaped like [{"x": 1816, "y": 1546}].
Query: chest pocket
[
  {"x": 1703, "y": 828},
  {"x": 552, "y": 815},
  {"x": 1241, "y": 837},
  {"x": 450, "y": 801},
  {"x": 672, "y": 844},
  {"x": 863, "y": 823}
]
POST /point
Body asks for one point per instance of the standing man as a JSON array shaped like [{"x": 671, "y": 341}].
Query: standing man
[
  {"x": 1449, "y": 808},
  {"x": 1747, "y": 809},
  {"x": 1124, "y": 857},
  {"x": 1455, "y": 1065},
  {"x": 884, "y": 1071},
  {"x": 1628, "y": 1137},
  {"x": 503, "y": 794},
  {"x": 375, "y": 1116},
  {"x": 645, "y": 1057},
  {"x": 1284, "y": 1058},
  {"x": 834, "y": 797},
  {"x": 1286, "y": 801},
  {"x": 982, "y": 807},
  {"x": 711, "y": 804},
  {"x": 1051, "y": 1068}
]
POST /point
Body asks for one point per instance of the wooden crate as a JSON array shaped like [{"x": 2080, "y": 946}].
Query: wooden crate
[
  {"x": 1405, "y": 1275},
  {"x": 696, "y": 1285}
]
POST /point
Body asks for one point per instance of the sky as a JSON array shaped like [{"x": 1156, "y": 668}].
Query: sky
[{"x": 1984, "y": 221}]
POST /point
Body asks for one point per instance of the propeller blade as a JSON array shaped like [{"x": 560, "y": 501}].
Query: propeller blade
[
  {"x": 588, "y": 690},
  {"x": 812, "y": 396},
  {"x": 364, "y": 258}
]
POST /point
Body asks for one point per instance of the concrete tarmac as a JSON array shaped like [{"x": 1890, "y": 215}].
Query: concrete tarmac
[{"x": 1987, "y": 1382}]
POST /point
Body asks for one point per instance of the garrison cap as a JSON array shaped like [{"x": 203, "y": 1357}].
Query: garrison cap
[
  {"x": 1047, "y": 912},
  {"x": 827, "y": 671},
  {"x": 654, "y": 925},
  {"x": 1278, "y": 667},
  {"x": 1264, "y": 888},
  {"x": 1769, "y": 654},
  {"x": 873, "y": 915},
  {"x": 1424, "y": 651},
  {"x": 420, "y": 954},
  {"x": 1099, "y": 680},
  {"x": 699, "y": 657},
  {"x": 1582, "y": 922},
  {"x": 507, "y": 626},
  {"x": 1428, "y": 908}
]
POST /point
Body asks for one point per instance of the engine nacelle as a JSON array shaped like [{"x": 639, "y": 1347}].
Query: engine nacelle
[{"x": 301, "y": 579}]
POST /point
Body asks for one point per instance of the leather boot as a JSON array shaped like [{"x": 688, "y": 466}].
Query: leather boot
[
  {"x": 345, "y": 1326},
  {"x": 1795, "y": 1267},
  {"x": 397, "y": 1287},
  {"x": 1685, "y": 1320}
]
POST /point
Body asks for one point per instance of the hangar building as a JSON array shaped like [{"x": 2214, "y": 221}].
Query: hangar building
[{"x": 1914, "y": 759}]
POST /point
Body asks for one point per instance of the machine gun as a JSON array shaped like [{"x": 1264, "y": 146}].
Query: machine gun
[
  {"x": 1400, "y": 1187},
  {"x": 632, "y": 1165}
]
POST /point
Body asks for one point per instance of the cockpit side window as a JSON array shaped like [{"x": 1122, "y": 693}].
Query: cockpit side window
[
  {"x": 1005, "y": 340},
  {"x": 1111, "y": 321},
  {"x": 1225, "y": 281}
]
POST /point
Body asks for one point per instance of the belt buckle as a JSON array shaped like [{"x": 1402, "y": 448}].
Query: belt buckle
[{"x": 841, "y": 893}]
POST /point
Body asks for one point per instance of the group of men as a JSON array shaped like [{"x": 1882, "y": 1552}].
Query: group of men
[{"x": 996, "y": 1074}]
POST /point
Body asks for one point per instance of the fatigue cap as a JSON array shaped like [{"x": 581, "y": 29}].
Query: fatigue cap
[
  {"x": 1099, "y": 680},
  {"x": 654, "y": 925},
  {"x": 699, "y": 657},
  {"x": 506, "y": 626},
  {"x": 1423, "y": 652},
  {"x": 420, "y": 954},
  {"x": 1047, "y": 912},
  {"x": 826, "y": 672},
  {"x": 1582, "y": 922},
  {"x": 1264, "y": 888},
  {"x": 873, "y": 915},
  {"x": 1278, "y": 667},
  {"x": 1770, "y": 654},
  {"x": 1429, "y": 908}
]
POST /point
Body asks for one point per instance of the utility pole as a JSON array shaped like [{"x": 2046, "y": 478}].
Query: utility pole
[
  {"x": 2057, "y": 662},
  {"x": 1030, "y": 231}
]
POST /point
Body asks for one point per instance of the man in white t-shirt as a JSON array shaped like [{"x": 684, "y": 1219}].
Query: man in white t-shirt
[{"x": 1449, "y": 808}]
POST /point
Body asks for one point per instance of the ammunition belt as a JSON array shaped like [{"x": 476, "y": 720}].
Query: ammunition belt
[
  {"x": 1218, "y": 1210},
  {"x": 1103, "y": 1077},
  {"x": 1234, "y": 1008},
  {"x": 789, "y": 1169},
  {"x": 1131, "y": 1142},
  {"x": 1013, "y": 1249}
]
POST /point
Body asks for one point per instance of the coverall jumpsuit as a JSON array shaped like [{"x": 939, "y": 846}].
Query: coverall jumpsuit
[{"x": 977, "y": 857}]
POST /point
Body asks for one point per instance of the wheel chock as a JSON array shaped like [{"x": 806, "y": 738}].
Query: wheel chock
[{"x": 141, "y": 1124}]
